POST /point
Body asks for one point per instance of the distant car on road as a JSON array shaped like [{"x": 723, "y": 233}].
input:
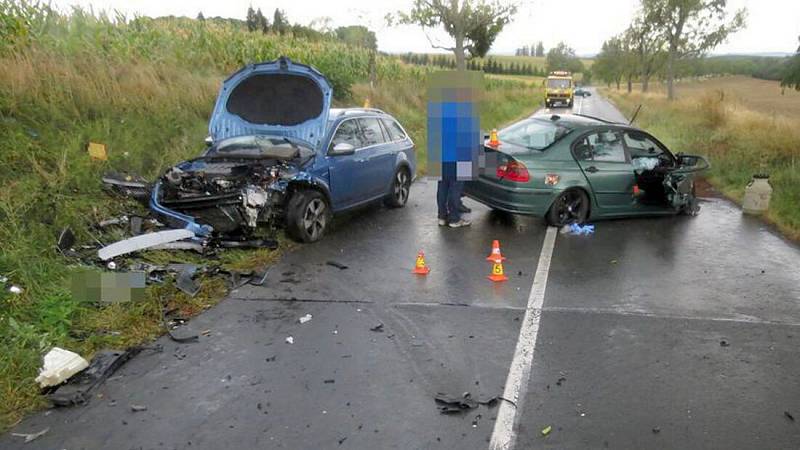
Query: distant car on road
[
  {"x": 572, "y": 168},
  {"x": 582, "y": 92},
  {"x": 278, "y": 154}
]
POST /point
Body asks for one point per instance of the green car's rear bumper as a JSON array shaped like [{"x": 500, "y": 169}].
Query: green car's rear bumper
[{"x": 517, "y": 200}]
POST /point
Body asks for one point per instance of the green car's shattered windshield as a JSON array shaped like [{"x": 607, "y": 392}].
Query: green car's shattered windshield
[{"x": 533, "y": 134}]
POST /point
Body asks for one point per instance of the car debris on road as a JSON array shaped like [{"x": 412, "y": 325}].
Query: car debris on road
[
  {"x": 29, "y": 437},
  {"x": 59, "y": 365}
]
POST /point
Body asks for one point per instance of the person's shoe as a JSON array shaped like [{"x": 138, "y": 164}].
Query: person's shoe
[
  {"x": 460, "y": 223},
  {"x": 442, "y": 222},
  {"x": 462, "y": 208}
]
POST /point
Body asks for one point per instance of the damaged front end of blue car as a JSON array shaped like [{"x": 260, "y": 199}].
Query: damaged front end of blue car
[{"x": 266, "y": 128}]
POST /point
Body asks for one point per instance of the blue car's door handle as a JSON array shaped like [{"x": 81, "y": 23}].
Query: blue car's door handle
[{"x": 592, "y": 169}]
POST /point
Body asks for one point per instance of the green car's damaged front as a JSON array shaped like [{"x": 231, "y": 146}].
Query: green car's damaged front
[{"x": 571, "y": 168}]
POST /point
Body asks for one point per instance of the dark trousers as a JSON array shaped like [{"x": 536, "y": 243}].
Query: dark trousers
[{"x": 448, "y": 199}]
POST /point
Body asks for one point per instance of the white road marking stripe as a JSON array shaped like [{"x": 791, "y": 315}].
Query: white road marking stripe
[
  {"x": 503, "y": 435},
  {"x": 580, "y": 105}
]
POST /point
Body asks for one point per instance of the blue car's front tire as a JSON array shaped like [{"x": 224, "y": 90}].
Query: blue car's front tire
[{"x": 308, "y": 215}]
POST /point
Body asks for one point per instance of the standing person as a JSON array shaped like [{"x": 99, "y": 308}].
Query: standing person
[{"x": 454, "y": 139}]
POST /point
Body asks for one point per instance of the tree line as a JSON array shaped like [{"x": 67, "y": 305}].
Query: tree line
[
  {"x": 533, "y": 50},
  {"x": 662, "y": 37},
  {"x": 489, "y": 65}
]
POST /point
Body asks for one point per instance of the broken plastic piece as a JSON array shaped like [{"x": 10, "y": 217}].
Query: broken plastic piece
[
  {"x": 14, "y": 289},
  {"x": 546, "y": 430},
  {"x": 66, "y": 239},
  {"x": 97, "y": 151},
  {"x": 142, "y": 242},
  {"x": 377, "y": 328},
  {"x": 31, "y": 436},
  {"x": 78, "y": 389},
  {"x": 306, "y": 318},
  {"x": 59, "y": 365},
  {"x": 336, "y": 264},
  {"x": 289, "y": 340},
  {"x": 138, "y": 408},
  {"x": 185, "y": 280}
]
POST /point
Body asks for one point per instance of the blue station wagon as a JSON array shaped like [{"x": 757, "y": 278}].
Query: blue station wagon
[{"x": 279, "y": 154}]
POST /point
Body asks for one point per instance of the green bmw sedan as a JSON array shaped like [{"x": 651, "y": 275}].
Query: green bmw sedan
[{"x": 574, "y": 168}]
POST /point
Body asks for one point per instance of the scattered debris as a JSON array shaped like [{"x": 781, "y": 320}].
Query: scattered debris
[
  {"x": 66, "y": 239},
  {"x": 271, "y": 358},
  {"x": 138, "y": 408},
  {"x": 59, "y": 365},
  {"x": 97, "y": 151},
  {"x": 136, "y": 224},
  {"x": 78, "y": 389},
  {"x": 185, "y": 280},
  {"x": 475, "y": 420},
  {"x": 127, "y": 185},
  {"x": 341, "y": 441},
  {"x": 724, "y": 343},
  {"x": 560, "y": 380},
  {"x": 14, "y": 289},
  {"x": 142, "y": 242},
  {"x": 329, "y": 381},
  {"x": 453, "y": 405},
  {"x": 788, "y": 415},
  {"x": 377, "y": 328},
  {"x": 336, "y": 264},
  {"x": 306, "y": 318},
  {"x": 289, "y": 340},
  {"x": 449, "y": 404},
  {"x": 546, "y": 430},
  {"x": 259, "y": 277},
  {"x": 577, "y": 229},
  {"x": 31, "y": 436},
  {"x": 656, "y": 430}
]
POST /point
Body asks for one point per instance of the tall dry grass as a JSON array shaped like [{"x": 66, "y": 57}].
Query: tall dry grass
[{"x": 738, "y": 141}]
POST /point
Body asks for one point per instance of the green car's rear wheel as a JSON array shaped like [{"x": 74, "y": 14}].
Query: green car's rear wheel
[{"x": 571, "y": 206}]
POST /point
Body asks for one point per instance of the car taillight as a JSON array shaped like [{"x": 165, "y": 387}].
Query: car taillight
[{"x": 513, "y": 171}]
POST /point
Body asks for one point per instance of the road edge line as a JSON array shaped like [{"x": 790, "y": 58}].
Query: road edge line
[{"x": 503, "y": 435}]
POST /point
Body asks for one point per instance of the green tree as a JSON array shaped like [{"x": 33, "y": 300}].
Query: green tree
[
  {"x": 791, "y": 78},
  {"x": 690, "y": 28},
  {"x": 472, "y": 24},
  {"x": 562, "y": 57},
  {"x": 280, "y": 23},
  {"x": 252, "y": 24},
  {"x": 262, "y": 23},
  {"x": 647, "y": 46},
  {"x": 540, "y": 49},
  {"x": 358, "y": 35},
  {"x": 201, "y": 17},
  {"x": 608, "y": 64}
]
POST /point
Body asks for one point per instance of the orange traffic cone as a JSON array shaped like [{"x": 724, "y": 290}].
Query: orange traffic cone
[
  {"x": 420, "y": 268},
  {"x": 495, "y": 256},
  {"x": 497, "y": 271},
  {"x": 493, "y": 141}
]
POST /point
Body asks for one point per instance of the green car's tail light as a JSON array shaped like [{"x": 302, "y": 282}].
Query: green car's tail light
[{"x": 513, "y": 171}]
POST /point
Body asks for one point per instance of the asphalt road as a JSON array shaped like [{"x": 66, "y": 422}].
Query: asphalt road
[{"x": 678, "y": 332}]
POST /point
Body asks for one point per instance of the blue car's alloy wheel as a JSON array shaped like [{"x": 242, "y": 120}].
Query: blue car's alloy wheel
[
  {"x": 401, "y": 185},
  {"x": 308, "y": 215}
]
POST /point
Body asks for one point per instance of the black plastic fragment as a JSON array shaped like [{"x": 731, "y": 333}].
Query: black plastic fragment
[
  {"x": 336, "y": 264},
  {"x": 78, "y": 389}
]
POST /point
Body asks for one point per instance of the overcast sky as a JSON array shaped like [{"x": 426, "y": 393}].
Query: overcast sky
[{"x": 773, "y": 25}]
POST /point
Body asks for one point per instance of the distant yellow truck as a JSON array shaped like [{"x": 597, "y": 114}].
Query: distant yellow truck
[{"x": 559, "y": 89}]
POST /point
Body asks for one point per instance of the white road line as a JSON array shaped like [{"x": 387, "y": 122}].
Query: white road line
[
  {"x": 504, "y": 435},
  {"x": 580, "y": 105}
]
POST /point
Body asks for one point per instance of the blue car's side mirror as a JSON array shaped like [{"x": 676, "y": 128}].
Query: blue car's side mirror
[{"x": 342, "y": 148}]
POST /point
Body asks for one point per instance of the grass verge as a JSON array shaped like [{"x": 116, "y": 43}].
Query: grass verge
[{"x": 739, "y": 142}]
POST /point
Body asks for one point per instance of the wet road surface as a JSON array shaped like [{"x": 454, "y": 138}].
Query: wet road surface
[{"x": 628, "y": 346}]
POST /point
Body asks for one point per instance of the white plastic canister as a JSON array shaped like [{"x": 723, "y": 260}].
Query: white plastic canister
[{"x": 757, "y": 195}]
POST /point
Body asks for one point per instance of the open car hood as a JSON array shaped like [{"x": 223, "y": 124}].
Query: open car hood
[{"x": 277, "y": 98}]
